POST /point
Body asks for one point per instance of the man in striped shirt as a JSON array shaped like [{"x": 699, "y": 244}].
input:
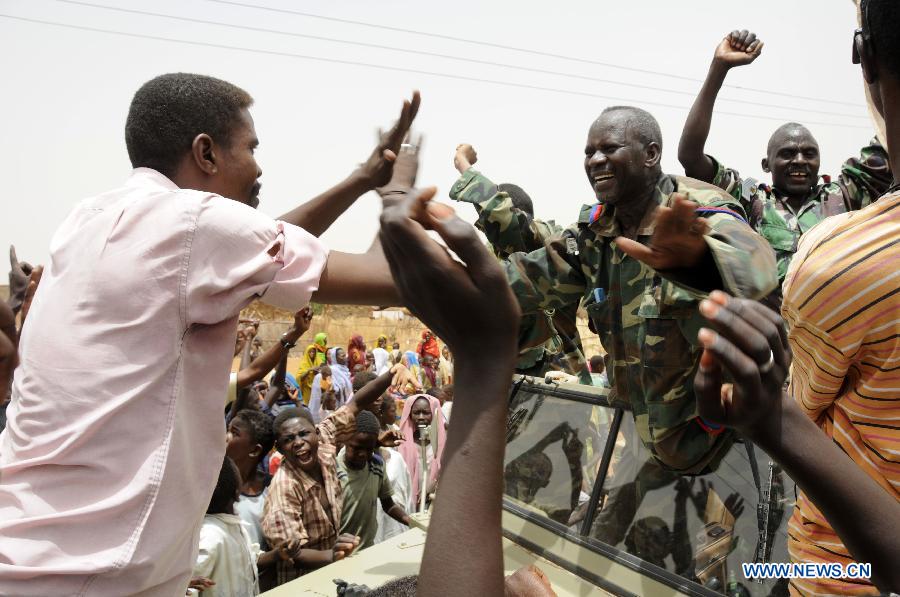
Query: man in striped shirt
[{"x": 842, "y": 304}]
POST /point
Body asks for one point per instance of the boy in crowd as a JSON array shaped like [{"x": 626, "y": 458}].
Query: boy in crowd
[
  {"x": 364, "y": 481},
  {"x": 229, "y": 560},
  {"x": 250, "y": 439},
  {"x": 304, "y": 503}
]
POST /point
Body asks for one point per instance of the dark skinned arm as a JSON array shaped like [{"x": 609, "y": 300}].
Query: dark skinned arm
[
  {"x": 276, "y": 387},
  {"x": 370, "y": 392},
  {"x": 864, "y": 515},
  {"x": 256, "y": 370},
  {"x": 395, "y": 511},
  {"x": 738, "y": 48},
  {"x": 449, "y": 298},
  {"x": 317, "y": 214}
]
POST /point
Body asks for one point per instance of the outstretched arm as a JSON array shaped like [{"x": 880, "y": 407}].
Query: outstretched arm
[
  {"x": 738, "y": 48},
  {"x": 450, "y": 298},
  {"x": 750, "y": 345},
  {"x": 317, "y": 214},
  {"x": 267, "y": 361}
]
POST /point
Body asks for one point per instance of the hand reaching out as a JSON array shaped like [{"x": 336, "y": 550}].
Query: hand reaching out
[
  {"x": 677, "y": 240},
  {"x": 738, "y": 48},
  {"x": 377, "y": 170},
  {"x": 750, "y": 344},
  {"x": 403, "y": 376},
  {"x": 390, "y": 438},
  {"x": 464, "y": 158},
  {"x": 406, "y": 169},
  {"x": 459, "y": 302}
]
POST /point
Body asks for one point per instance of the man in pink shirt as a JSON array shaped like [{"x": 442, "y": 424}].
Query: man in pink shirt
[{"x": 115, "y": 432}]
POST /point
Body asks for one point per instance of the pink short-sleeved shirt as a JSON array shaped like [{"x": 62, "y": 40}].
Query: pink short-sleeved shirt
[{"x": 115, "y": 434}]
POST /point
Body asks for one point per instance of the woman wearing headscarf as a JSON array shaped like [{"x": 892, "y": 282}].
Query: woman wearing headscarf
[
  {"x": 340, "y": 376},
  {"x": 321, "y": 344},
  {"x": 356, "y": 353},
  {"x": 309, "y": 366},
  {"x": 428, "y": 346},
  {"x": 422, "y": 410}
]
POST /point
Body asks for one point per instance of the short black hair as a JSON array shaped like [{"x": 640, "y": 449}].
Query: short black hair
[
  {"x": 642, "y": 122},
  {"x": 361, "y": 379},
  {"x": 288, "y": 414},
  {"x": 222, "y": 501},
  {"x": 260, "y": 426},
  {"x": 881, "y": 21},
  {"x": 169, "y": 111},
  {"x": 519, "y": 197},
  {"x": 597, "y": 364},
  {"x": 784, "y": 129},
  {"x": 367, "y": 422}
]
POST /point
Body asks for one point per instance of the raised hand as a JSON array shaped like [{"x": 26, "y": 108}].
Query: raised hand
[
  {"x": 390, "y": 438},
  {"x": 460, "y": 302},
  {"x": 464, "y": 158},
  {"x": 677, "y": 240},
  {"x": 402, "y": 376},
  {"x": 302, "y": 320},
  {"x": 750, "y": 343},
  {"x": 34, "y": 280},
  {"x": 406, "y": 168},
  {"x": 19, "y": 272},
  {"x": 377, "y": 170},
  {"x": 738, "y": 48}
]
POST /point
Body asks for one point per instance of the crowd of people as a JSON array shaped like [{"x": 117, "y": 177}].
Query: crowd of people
[{"x": 730, "y": 310}]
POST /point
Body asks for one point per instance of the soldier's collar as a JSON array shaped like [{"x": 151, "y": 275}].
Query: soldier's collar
[{"x": 601, "y": 217}]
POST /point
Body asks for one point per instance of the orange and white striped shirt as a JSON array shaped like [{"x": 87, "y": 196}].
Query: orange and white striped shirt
[{"x": 842, "y": 303}]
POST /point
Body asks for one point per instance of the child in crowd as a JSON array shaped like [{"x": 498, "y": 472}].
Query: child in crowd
[
  {"x": 228, "y": 558},
  {"x": 250, "y": 439},
  {"x": 395, "y": 353},
  {"x": 364, "y": 481},
  {"x": 397, "y": 474},
  {"x": 304, "y": 503},
  {"x": 430, "y": 377},
  {"x": 322, "y": 385}
]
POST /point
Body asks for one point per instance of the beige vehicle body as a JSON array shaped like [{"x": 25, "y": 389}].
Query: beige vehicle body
[{"x": 586, "y": 504}]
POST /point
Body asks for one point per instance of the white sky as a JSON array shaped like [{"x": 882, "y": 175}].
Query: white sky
[{"x": 66, "y": 92}]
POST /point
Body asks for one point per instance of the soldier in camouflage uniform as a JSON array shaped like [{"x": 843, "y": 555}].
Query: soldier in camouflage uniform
[
  {"x": 642, "y": 259},
  {"x": 795, "y": 202},
  {"x": 506, "y": 217}
]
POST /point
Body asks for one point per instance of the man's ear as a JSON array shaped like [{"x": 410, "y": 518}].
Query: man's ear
[
  {"x": 765, "y": 164},
  {"x": 203, "y": 154},
  {"x": 866, "y": 60},
  {"x": 256, "y": 451},
  {"x": 653, "y": 154}
]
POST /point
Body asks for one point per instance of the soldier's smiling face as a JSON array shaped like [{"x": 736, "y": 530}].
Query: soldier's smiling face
[
  {"x": 793, "y": 158},
  {"x": 617, "y": 163}
]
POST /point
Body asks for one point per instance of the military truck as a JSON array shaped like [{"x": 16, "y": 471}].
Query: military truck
[{"x": 586, "y": 504}]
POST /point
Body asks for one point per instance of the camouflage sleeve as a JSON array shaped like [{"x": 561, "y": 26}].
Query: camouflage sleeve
[
  {"x": 727, "y": 179},
  {"x": 866, "y": 178},
  {"x": 550, "y": 277},
  {"x": 506, "y": 227},
  {"x": 744, "y": 260}
]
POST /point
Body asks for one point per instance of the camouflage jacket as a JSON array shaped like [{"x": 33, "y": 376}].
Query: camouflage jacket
[
  {"x": 648, "y": 320},
  {"x": 510, "y": 230},
  {"x": 861, "y": 182}
]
